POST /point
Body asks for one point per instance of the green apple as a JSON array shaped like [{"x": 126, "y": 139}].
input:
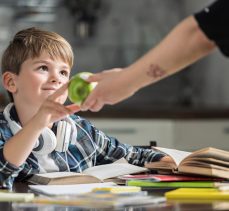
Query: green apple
[{"x": 79, "y": 88}]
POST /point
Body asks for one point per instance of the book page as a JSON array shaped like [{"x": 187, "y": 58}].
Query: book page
[
  {"x": 210, "y": 152},
  {"x": 113, "y": 170},
  {"x": 176, "y": 155},
  {"x": 62, "y": 174}
]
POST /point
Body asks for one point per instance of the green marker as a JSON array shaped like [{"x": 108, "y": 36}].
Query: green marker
[{"x": 79, "y": 88}]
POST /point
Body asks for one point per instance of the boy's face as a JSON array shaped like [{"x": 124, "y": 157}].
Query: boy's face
[{"x": 38, "y": 78}]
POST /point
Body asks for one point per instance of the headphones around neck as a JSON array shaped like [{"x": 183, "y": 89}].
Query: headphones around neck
[{"x": 47, "y": 142}]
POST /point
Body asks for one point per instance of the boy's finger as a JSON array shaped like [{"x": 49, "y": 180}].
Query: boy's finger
[
  {"x": 59, "y": 92},
  {"x": 73, "y": 107}
]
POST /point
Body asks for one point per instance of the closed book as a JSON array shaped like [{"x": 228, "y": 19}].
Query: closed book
[
  {"x": 197, "y": 194},
  {"x": 191, "y": 184},
  {"x": 168, "y": 178}
]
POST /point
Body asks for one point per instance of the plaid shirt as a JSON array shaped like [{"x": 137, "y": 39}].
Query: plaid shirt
[{"x": 92, "y": 148}]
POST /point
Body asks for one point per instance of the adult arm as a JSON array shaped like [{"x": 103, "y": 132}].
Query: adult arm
[{"x": 184, "y": 45}]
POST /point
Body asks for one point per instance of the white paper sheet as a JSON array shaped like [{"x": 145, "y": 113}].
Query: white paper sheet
[{"x": 68, "y": 189}]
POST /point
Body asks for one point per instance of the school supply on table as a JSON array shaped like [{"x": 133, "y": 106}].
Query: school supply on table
[
  {"x": 197, "y": 194},
  {"x": 207, "y": 161},
  {"x": 178, "y": 184},
  {"x": 75, "y": 189},
  {"x": 97, "y": 195},
  {"x": 117, "y": 189},
  {"x": 95, "y": 174},
  {"x": 15, "y": 197},
  {"x": 104, "y": 197},
  {"x": 101, "y": 200},
  {"x": 167, "y": 178}
]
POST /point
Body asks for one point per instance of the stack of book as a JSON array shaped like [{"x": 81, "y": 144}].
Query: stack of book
[
  {"x": 201, "y": 176},
  {"x": 152, "y": 181}
]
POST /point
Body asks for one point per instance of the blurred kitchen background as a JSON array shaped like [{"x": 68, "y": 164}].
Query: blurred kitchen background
[{"x": 114, "y": 33}]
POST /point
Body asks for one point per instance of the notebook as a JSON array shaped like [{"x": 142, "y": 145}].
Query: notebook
[{"x": 197, "y": 194}]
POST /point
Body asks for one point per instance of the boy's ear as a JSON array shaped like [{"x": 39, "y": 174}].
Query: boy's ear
[{"x": 8, "y": 81}]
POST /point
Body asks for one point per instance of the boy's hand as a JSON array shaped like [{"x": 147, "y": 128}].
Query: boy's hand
[
  {"x": 73, "y": 107},
  {"x": 165, "y": 161},
  {"x": 53, "y": 109}
]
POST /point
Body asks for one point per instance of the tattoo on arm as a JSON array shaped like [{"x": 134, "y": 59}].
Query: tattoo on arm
[{"x": 155, "y": 71}]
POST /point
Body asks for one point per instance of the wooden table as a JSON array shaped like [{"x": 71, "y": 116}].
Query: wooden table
[{"x": 165, "y": 206}]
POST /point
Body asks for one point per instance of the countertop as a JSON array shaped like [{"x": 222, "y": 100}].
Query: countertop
[{"x": 174, "y": 113}]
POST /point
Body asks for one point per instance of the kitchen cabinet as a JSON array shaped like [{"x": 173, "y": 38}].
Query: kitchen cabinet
[
  {"x": 183, "y": 134},
  {"x": 137, "y": 131},
  {"x": 195, "y": 134}
]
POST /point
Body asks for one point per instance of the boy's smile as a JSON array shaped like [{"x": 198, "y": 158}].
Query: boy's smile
[{"x": 40, "y": 77}]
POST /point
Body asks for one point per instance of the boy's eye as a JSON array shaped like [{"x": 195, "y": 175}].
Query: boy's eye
[
  {"x": 64, "y": 73},
  {"x": 43, "y": 68}
]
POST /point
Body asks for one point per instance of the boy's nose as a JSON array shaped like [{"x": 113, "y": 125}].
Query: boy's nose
[{"x": 54, "y": 78}]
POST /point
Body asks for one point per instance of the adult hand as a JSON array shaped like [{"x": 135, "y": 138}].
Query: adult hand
[{"x": 113, "y": 86}]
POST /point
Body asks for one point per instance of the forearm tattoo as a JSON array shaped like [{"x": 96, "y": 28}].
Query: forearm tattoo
[{"x": 155, "y": 71}]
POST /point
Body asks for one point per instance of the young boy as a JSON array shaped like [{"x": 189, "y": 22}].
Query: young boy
[{"x": 38, "y": 132}]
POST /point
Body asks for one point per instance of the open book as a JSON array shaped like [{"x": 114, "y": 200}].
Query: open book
[
  {"x": 207, "y": 161},
  {"x": 95, "y": 174}
]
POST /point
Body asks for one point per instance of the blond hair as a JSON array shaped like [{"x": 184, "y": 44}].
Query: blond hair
[{"x": 31, "y": 43}]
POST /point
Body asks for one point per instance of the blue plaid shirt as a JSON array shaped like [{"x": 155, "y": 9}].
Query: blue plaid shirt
[{"x": 92, "y": 148}]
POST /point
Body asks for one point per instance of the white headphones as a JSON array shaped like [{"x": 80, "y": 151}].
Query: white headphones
[{"x": 47, "y": 142}]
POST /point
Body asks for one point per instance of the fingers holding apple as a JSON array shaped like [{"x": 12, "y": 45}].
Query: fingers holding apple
[{"x": 79, "y": 88}]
